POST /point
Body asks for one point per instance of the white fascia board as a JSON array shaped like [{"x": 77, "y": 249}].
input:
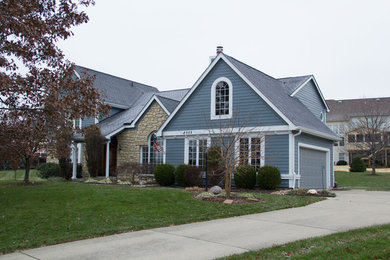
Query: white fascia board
[
  {"x": 264, "y": 129},
  {"x": 77, "y": 74},
  {"x": 112, "y": 104},
  {"x": 258, "y": 92},
  {"x": 189, "y": 93},
  {"x": 319, "y": 134},
  {"x": 153, "y": 98},
  {"x": 318, "y": 90}
]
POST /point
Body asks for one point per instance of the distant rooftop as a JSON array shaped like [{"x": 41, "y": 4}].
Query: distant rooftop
[{"x": 344, "y": 109}]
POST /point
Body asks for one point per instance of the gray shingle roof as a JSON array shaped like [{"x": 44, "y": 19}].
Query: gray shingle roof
[
  {"x": 170, "y": 99},
  {"x": 291, "y": 84},
  {"x": 274, "y": 90},
  {"x": 342, "y": 110},
  {"x": 116, "y": 90}
]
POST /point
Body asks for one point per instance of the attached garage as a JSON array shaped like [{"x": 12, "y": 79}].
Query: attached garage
[{"x": 314, "y": 167}]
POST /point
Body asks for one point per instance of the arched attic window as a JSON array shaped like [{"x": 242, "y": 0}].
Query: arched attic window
[{"x": 221, "y": 99}]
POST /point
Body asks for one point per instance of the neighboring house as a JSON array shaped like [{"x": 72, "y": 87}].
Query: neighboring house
[
  {"x": 340, "y": 118},
  {"x": 137, "y": 111},
  {"x": 289, "y": 114}
]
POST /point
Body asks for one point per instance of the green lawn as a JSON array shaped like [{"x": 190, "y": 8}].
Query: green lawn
[
  {"x": 366, "y": 243},
  {"x": 10, "y": 175},
  {"x": 363, "y": 180},
  {"x": 55, "y": 212}
]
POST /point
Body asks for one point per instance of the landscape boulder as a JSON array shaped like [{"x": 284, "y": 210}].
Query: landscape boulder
[{"x": 216, "y": 190}]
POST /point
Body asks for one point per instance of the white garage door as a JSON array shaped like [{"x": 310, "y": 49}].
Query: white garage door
[{"x": 312, "y": 167}]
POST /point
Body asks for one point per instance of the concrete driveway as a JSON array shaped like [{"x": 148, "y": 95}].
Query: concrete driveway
[{"x": 207, "y": 240}]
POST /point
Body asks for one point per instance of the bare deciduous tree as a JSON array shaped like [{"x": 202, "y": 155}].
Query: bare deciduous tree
[
  {"x": 372, "y": 125},
  {"x": 231, "y": 135}
]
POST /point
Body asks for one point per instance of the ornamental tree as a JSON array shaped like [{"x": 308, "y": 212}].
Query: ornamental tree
[{"x": 39, "y": 93}]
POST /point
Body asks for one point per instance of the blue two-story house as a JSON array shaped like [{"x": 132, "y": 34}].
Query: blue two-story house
[{"x": 280, "y": 122}]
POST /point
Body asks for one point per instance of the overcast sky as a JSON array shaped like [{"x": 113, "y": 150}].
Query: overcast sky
[{"x": 167, "y": 44}]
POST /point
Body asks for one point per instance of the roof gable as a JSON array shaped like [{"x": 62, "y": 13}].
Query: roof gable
[
  {"x": 303, "y": 84},
  {"x": 271, "y": 90}
]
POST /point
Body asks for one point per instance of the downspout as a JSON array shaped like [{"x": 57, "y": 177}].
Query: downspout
[{"x": 294, "y": 173}]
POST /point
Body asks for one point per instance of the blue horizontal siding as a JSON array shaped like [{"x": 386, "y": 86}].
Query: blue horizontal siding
[
  {"x": 310, "y": 97},
  {"x": 249, "y": 109},
  {"x": 317, "y": 141},
  {"x": 87, "y": 121},
  {"x": 277, "y": 152},
  {"x": 174, "y": 151}
]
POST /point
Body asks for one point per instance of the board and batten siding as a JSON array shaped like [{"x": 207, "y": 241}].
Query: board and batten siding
[
  {"x": 174, "y": 151},
  {"x": 251, "y": 109},
  {"x": 317, "y": 141},
  {"x": 277, "y": 154},
  {"x": 310, "y": 97}
]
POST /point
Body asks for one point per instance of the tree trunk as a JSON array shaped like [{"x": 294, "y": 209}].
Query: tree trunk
[
  {"x": 373, "y": 166},
  {"x": 27, "y": 172}
]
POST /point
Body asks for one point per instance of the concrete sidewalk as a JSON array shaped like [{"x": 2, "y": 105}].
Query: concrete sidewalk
[{"x": 207, "y": 240}]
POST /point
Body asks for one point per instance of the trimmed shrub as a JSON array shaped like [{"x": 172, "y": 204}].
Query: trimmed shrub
[
  {"x": 357, "y": 165},
  {"x": 215, "y": 175},
  {"x": 245, "y": 176},
  {"x": 341, "y": 162},
  {"x": 46, "y": 170},
  {"x": 164, "y": 174},
  {"x": 179, "y": 174},
  {"x": 193, "y": 176},
  {"x": 269, "y": 177}
]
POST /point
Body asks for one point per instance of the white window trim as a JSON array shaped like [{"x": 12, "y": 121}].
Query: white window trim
[
  {"x": 74, "y": 123},
  {"x": 213, "y": 116},
  {"x": 262, "y": 148},
  {"x": 186, "y": 148},
  {"x": 150, "y": 149},
  {"x": 141, "y": 157}
]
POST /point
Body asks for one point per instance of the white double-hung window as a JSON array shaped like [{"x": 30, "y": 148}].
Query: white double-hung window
[
  {"x": 221, "y": 99},
  {"x": 195, "y": 151},
  {"x": 251, "y": 150}
]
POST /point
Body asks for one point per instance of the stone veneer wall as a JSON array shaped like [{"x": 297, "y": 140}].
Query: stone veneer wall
[{"x": 131, "y": 140}]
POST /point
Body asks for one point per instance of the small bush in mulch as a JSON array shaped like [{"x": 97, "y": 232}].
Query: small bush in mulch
[
  {"x": 193, "y": 176},
  {"x": 180, "y": 174},
  {"x": 245, "y": 176},
  {"x": 164, "y": 174},
  {"x": 269, "y": 177}
]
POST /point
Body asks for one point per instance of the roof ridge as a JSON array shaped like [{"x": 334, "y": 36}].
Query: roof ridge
[
  {"x": 180, "y": 89},
  {"x": 251, "y": 67},
  {"x": 295, "y": 77},
  {"x": 114, "y": 76}
]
